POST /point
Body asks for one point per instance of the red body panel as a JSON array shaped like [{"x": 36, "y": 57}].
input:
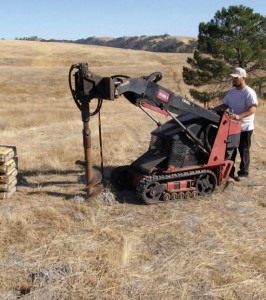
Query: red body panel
[
  {"x": 227, "y": 127},
  {"x": 182, "y": 185}
]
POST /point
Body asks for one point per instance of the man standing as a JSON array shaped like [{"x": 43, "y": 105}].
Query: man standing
[{"x": 242, "y": 99}]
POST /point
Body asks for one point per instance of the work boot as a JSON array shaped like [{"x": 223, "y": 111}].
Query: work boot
[
  {"x": 237, "y": 179},
  {"x": 232, "y": 177},
  {"x": 242, "y": 174}
]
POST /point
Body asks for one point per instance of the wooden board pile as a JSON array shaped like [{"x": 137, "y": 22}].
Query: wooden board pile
[{"x": 8, "y": 171}]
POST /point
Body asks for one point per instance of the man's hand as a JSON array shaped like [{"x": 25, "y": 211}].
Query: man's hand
[
  {"x": 251, "y": 110},
  {"x": 235, "y": 117}
]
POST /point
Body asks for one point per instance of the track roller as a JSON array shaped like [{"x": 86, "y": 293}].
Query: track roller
[{"x": 166, "y": 197}]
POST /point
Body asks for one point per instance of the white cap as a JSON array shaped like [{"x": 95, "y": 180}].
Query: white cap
[{"x": 239, "y": 72}]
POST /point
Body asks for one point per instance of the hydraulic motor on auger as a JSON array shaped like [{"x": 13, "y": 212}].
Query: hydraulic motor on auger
[{"x": 187, "y": 156}]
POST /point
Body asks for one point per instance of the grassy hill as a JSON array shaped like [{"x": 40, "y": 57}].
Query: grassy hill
[
  {"x": 56, "y": 245},
  {"x": 162, "y": 43},
  {"x": 155, "y": 43}
]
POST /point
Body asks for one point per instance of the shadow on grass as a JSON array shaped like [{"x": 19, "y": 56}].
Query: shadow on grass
[{"x": 27, "y": 179}]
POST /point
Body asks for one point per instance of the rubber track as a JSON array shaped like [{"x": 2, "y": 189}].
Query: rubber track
[{"x": 165, "y": 178}]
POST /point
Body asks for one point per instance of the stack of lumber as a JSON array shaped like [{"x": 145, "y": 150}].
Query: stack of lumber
[{"x": 8, "y": 171}]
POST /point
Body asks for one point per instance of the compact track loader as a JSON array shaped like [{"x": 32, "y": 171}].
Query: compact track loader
[{"x": 188, "y": 156}]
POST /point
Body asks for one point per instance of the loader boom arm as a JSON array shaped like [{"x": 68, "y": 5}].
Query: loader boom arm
[{"x": 142, "y": 91}]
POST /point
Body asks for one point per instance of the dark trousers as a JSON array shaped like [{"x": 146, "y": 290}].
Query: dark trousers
[{"x": 243, "y": 148}]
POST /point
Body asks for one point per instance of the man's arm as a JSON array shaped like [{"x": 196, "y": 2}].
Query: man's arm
[{"x": 250, "y": 111}]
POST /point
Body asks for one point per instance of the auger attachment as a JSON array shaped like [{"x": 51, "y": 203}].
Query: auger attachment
[
  {"x": 93, "y": 176},
  {"x": 88, "y": 87}
]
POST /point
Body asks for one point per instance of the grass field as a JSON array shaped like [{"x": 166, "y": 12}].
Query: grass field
[{"x": 56, "y": 245}]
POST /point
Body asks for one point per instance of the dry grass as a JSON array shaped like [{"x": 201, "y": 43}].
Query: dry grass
[{"x": 55, "y": 245}]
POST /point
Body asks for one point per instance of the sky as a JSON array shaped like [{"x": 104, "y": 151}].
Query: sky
[{"x": 71, "y": 19}]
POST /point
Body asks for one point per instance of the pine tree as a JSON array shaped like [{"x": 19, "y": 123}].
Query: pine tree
[{"x": 235, "y": 37}]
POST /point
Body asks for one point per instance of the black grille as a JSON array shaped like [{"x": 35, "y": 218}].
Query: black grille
[
  {"x": 159, "y": 145},
  {"x": 182, "y": 153}
]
